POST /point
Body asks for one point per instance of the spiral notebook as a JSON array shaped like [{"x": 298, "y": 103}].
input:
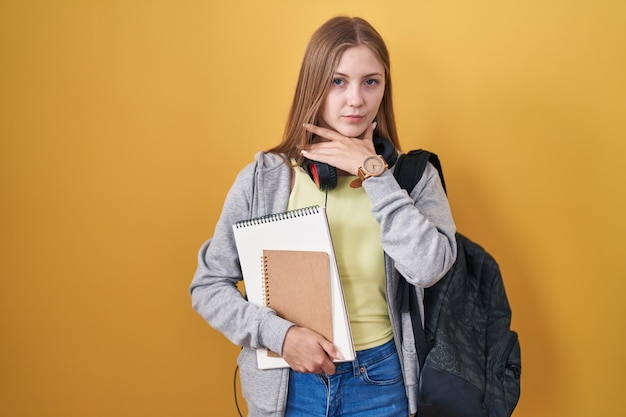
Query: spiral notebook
[
  {"x": 297, "y": 286},
  {"x": 301, "y": 230}
]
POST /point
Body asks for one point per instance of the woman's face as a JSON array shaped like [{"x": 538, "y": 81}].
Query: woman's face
[{"x": 357, "y": 89}]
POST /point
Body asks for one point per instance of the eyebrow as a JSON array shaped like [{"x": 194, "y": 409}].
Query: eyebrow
[{"x": 374, "y": 74}]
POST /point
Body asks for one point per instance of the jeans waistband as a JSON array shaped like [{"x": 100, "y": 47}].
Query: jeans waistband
[{"x": 366, "y": 357}]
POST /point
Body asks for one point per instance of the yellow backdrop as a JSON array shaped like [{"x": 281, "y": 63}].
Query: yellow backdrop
[{"x": 124, "y": 122}]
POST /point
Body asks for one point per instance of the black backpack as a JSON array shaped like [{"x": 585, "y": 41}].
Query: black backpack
[{"x": 470, "y": 359}]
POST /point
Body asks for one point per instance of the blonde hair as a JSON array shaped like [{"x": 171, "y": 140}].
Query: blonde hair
[{"x": 320, "y": 61}]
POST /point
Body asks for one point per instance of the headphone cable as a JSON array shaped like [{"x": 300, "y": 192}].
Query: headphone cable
[
  {"x": 326, "y": 198},
  {"x": 235, "y": 391}
]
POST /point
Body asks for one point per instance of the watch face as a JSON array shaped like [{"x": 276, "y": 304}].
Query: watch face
[{"x": 374, "y": 165}]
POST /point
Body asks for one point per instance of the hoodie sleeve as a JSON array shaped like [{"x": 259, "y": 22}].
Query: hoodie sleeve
[{"x": 417, "y": 230}]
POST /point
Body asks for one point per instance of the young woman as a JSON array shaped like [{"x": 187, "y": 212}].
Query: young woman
[{"x": 342, "y": 101}]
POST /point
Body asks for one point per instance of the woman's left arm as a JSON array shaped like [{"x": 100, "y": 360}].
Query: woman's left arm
[{"x": 417, "y": 231}]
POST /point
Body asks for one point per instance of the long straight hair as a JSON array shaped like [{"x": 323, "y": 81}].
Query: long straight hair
[{"x": 319, "y": 64}]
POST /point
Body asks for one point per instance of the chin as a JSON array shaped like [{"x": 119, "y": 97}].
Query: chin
[{"x": 352, "y": 132}]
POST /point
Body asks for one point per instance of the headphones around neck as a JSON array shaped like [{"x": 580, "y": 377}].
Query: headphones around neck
[{"x": 325, "y": 176}]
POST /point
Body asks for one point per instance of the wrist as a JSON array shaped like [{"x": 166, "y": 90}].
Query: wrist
[{"x": 372, "y": 166}]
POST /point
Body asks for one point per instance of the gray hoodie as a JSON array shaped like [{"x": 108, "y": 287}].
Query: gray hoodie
[{"x": 417, "y": 235}]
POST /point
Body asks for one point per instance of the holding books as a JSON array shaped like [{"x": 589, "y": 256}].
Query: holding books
[{"x": 298, "y": 278}]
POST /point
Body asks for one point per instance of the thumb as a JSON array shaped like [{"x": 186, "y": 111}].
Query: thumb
[{"x": 331, "y": 350}]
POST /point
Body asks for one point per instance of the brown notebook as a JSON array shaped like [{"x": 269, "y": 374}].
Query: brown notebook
[{"x": 297, "y": 287}]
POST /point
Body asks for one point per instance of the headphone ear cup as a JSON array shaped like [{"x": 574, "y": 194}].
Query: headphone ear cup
[
  {"x": 324, "y": 175},
  {"x": 384, "y": 147}
]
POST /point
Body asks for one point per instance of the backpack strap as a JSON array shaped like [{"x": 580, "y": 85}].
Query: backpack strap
[
  {"x": 408, "y": 171},
  {"x": 410, "y": 305},
  {"x": 410, "y": 168}
]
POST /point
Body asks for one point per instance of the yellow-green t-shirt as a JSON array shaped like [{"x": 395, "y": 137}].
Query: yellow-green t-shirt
[{"x": 356, "y": 238}]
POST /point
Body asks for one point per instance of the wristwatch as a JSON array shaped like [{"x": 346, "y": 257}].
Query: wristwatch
[{"x": 372, "y": 166}]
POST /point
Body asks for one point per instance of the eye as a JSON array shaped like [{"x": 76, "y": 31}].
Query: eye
[
  {"x": 338, "y": 81},
  {"x": 371, "y": 81}
]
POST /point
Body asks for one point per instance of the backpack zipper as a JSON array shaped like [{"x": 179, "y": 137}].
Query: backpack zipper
[{"x": 504, "y": 363}]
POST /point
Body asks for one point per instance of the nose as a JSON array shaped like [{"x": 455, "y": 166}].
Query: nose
[{"x": 355, "y": 96}]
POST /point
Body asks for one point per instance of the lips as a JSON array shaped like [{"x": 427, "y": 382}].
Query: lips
[{"x": 354, "y": 117}]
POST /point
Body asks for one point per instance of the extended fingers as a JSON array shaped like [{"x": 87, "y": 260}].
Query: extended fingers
[
  {"x": 323, "y": 132},
  {"x": 334, "y": 135},
  {"x": 344, "y": 153}
]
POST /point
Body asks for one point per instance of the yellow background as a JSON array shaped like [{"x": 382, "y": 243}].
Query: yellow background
[{"x": 124, "y": 122}]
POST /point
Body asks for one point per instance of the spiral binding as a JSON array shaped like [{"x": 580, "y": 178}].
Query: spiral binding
[
  {"x": 305, "y": 211},
  {"x": 265, "y": 291}
]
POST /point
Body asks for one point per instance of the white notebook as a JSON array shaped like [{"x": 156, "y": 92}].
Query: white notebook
[{"x": 303, "y": 229}]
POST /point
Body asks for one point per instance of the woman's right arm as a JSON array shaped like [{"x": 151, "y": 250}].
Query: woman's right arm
[{"x": 214, "y": 291}]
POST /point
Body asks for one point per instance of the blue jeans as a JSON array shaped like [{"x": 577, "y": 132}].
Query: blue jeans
[{"x": 370, "y": 386}]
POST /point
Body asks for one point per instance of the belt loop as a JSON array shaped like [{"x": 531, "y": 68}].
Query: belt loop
[{"x": 356, "y": 369}]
